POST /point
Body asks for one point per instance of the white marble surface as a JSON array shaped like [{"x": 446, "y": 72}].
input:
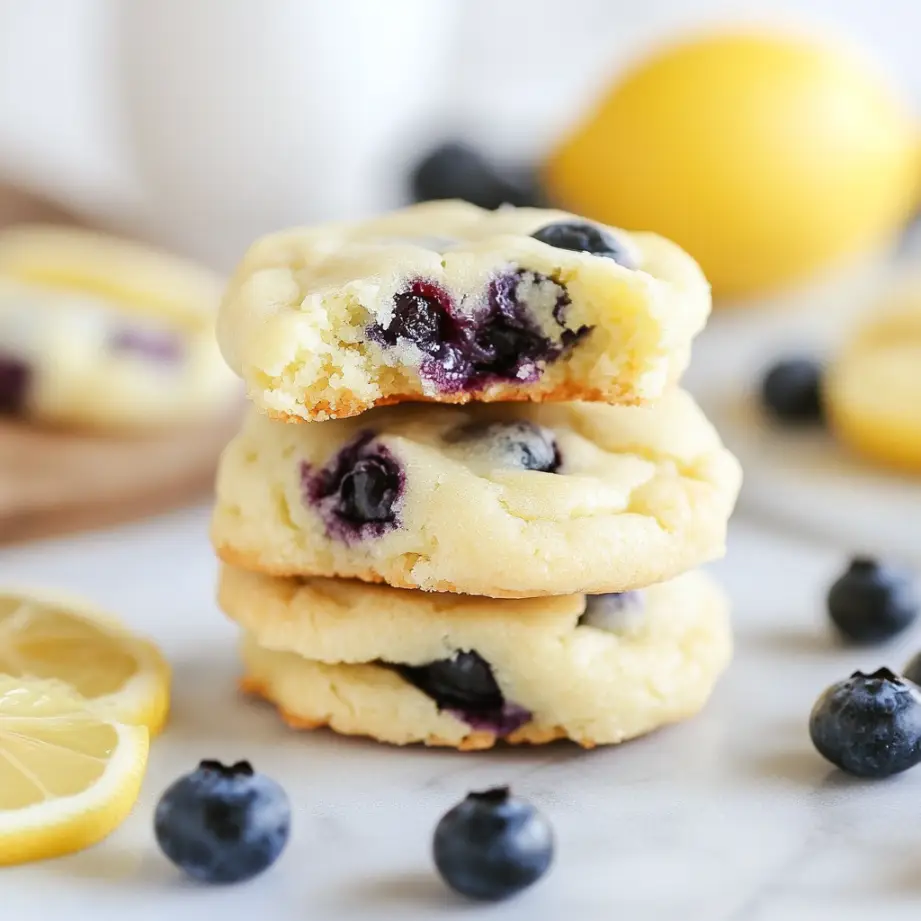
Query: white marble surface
[{"x": 730, "y": 816}]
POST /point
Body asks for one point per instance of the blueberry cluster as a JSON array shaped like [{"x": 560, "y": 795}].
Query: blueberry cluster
[{"x": 501, "y": 341}]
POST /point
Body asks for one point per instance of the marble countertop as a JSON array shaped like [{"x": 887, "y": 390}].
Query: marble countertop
[{"x": 730, "y": 817}]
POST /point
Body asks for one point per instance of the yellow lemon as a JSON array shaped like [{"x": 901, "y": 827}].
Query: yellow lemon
[
  {"x": 765, "y": 156},
  {"x": 123, "y": 676},
  {"x": 68, "y": 775}
]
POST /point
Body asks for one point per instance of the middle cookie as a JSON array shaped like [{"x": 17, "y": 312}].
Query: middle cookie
[{"x": 502, "y": 500}]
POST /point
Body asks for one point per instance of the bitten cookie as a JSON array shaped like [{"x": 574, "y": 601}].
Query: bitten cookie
[
  {"x": 99, "y": 333},
  {"x": 503, "y": 500},
  {"x": 464, "y": 672},
  {"x": 445, "y": 301},
  {"x": 872, "y": 390}
]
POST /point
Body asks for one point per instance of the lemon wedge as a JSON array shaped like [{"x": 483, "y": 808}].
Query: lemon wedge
[
  {"x": 68, "y": 774},
  {"x": 124, "y": 677}
]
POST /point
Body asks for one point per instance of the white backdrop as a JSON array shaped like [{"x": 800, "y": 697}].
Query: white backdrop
[{"x": 205, "y": 122}]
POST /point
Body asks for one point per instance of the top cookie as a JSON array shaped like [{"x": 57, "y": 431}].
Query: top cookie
[{"x": 448, "y": 302}]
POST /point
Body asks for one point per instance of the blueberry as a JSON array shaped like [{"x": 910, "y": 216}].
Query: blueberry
[
  {"x": 420, "y": 315},
  {"x": 359, "y": 491},
  {"x": 791, "y": 391},
  {"x": 503, "y": 340},
  {"x": 869, "y": 725},
  {"x": 465, "y": 686},
  {"x": 368, "y": 491},
  {"x": 616, "y": 612},
  {"x": 15, "y": 380},
  {"x": 492, "y": 845},
  {"x": 456, "y": 170},
  {"x": 871, "y": 602},
  {"x": 512, "y": 444},
  {"x": 585, "y": 237},
  {"x": 223, "y": 824}
]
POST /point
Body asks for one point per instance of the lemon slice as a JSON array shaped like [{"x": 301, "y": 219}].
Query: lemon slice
[
  {"x": 124, "y": 677},
  {"x": 68, "y": 775}
]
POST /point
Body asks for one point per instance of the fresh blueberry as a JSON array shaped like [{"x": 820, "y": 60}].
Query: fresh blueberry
[
  {"x": 912, "y": 671},
  {"x": 368, "y": 490},
  {"x": 585, "y": 237},
  {"x": 358, "y": 492},
  {"x": 465, "y": 686},
  {"x": 869, "y": 725},
  {"x": 492, "y": 846},
  {"x": 617, "y": 612},
  {"x": 15, "y": 379},
  {"x": 456, "y": 170},
  {"x": 791, "y": 391},
  {"x": 871, "y": 602},
  {"x": 223, "y": 824}
]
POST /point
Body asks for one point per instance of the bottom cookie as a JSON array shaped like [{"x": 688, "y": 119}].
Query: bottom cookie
[{"x": 405, "y": 667}]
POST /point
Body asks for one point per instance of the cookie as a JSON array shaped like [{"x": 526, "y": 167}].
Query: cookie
[
  {"x": 448, "y": 302},
  {"x": 464, "y": 672},
  {"x": 872, "y": 390},
  {"x": 97, "y": 333},
  {"x": 502, "y": 499}
]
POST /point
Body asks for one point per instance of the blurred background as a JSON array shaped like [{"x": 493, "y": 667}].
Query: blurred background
[
  {"x": 203, "y": 124},
  {"x": 778, "y": 143}
]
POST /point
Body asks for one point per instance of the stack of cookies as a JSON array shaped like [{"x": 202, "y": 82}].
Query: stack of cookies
[{"x": 469, "y": 500}]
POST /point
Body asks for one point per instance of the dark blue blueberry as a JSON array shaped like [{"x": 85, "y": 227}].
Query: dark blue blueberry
[
  {"x": 421, "y": 315},
  {"x": 161, "y": 346},
  {"x": 615, "y": 612},
  {"x": 456, "y": 170},
  {"x": 791, "y": 391},
  {"x": 223, "y": 824},
  {"x": 585, "y": 237},
  {"x": 358, "y": 492},
  {"x": 15, "y": 380},
  {"x": 465, "y": 686},
  {"x": 871, "y": 602},
  {"x": 503, "y": 341},
  {"x": 869, "y": 725},
  {"x": 492, "y": 846},
  {"x": 512, "y": 444}
]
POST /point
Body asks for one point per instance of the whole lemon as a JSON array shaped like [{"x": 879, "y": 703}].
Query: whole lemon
[{"x": 766, "y": 156}]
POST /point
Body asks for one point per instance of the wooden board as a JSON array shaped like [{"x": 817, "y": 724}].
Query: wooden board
[{"x": 55, "y": 482}]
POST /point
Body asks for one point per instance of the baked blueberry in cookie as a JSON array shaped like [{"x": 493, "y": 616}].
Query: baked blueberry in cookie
[
  {"x": 585, "y": 237},
  {"x": 502, "y": 340},
  {"x": 358, "y": 492},
  {"x": 511, "y": 444},
  {"x": 14, "y": 385},
  {"x": 465, "y": 686},
  {"x": 615, "y": 612}
]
